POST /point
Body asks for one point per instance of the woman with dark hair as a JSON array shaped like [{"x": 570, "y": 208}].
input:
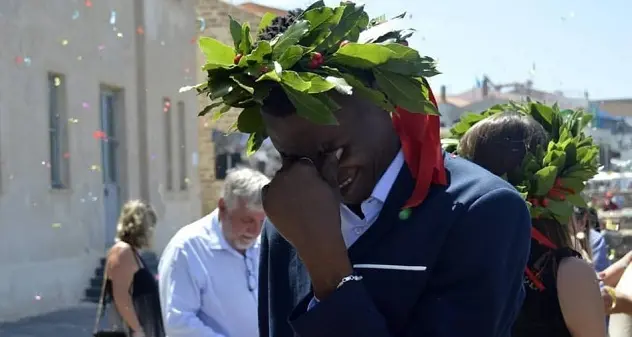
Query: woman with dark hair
[{"x": 563, "y": 297}]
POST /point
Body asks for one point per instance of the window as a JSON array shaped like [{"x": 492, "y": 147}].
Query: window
[
  {"x": 166, "y": 109},
  {"x": 182, "y": 147},
  {"x": 58, "y": 137},
  {"x": 110, "y": 138},
  {"x": 226, "y": 161},
  {"x": 228, "y": 152}
]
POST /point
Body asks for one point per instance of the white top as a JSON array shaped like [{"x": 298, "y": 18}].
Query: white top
[
  {"x": 353, "y": 226},
  {"x": 207, "y": 288}
]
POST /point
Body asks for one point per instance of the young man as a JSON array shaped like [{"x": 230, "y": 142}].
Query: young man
[
  {"x": 373, "y": 230},
  {"x": 208, "y": 271}
]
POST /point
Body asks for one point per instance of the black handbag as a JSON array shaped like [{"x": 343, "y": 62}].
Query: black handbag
[{"x": 101, "y": 312}]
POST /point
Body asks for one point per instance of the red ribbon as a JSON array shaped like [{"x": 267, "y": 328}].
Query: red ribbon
[
  {"x": 421, "y": 144},
  {"x": 546, "y": 242}
]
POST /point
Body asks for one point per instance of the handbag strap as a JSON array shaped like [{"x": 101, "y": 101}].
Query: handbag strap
[{"x": 101, "y": 305}]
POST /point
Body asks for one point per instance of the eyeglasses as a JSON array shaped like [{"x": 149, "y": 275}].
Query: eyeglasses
[{"x": 250, "y": 274}]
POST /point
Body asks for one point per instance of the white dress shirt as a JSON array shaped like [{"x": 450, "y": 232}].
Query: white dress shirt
[
  {"x": 207, "y": 288},
  {"x": 352, "y": 225}
]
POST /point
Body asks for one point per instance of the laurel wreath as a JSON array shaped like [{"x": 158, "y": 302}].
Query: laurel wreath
[
  {"x": 326, "y": 48},
  {"x": 552, "y": 178}
]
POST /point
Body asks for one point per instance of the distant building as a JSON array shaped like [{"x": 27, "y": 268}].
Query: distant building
[
  {"x": 482, "y": 98},
  {"x": 612, "y": 129},
  {"x": 91, "y": 117}
]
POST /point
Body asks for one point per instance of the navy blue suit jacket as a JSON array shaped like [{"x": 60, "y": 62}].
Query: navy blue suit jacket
[{"x": 473, "y": 235}]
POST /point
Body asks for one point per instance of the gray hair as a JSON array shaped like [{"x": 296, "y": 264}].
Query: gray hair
[{"x": 244, "y": 184}]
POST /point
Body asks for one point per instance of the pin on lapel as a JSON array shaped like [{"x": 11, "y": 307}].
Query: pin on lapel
[{"x": 404, "y": 214}]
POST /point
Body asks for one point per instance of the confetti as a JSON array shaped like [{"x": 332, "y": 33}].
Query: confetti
[
  {"x": 88, "y": 3},
  {"x": 57, "y": 81},
  {"x": 38, "y": 297},
  {"x": 404, "y": 214},
  {"x": 19, "y": 59},
  {"x": 79, "y": 58},
  {"x": 27, "y": 61},
  {"x": 99, "y": 135},
  {"x": 85, "y": 105},
  {"x": 101, "y": 47},
  {"x": 73, "y": 120},
  {"x": 202, "y": 23},
  {"x": 96, "y": 168},
  {"x": 56, "y": 225},
  {"x": 119, "y": 35},
  {"x": 75, "y": 15},
  {"x": 113, "y": 18},
  {"x": 140, "y": 30},
  {"x": 66, "y": 155},
  {"x": 162, "y": 43},
  {"x": 64, "y": 42}
]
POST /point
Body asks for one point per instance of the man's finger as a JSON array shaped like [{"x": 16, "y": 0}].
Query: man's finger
[{"x": 329, "y": 168}]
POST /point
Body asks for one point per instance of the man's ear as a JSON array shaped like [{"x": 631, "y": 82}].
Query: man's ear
[{"x": 221, "y": 205}]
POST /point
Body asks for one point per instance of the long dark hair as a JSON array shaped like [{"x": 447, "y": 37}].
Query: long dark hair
[{"x": 499, "y": 144}]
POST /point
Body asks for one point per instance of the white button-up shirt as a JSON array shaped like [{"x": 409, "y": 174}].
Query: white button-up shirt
[
  {"x": 207, "y": 288},
  {"x": 352, "y": 226}
]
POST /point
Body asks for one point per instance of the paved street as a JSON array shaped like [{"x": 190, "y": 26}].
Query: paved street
[{"x": 75, "y": 322}]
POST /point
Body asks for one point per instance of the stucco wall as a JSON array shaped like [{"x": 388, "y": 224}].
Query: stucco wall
[{"x": 51, "y": 240}]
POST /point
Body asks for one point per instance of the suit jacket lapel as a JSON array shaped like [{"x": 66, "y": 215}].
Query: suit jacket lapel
[{"x": 389, "y": 216}]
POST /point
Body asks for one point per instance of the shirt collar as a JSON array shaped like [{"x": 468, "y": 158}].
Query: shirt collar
[
  {"x": 384, "y": 185},
  {"x": 217, "y": 240}
]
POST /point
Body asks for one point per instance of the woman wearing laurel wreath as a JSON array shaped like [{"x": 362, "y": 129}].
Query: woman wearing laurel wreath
[
  {"x": 548, "y": 159},
  {"x": 373, "y": 230}
]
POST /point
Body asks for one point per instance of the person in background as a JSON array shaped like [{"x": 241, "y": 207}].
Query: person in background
[
  {"x": 130, "y": 284},
  {"x": 563, "y": 298},
  {"x": 609, "y": 204},
  {"x": 618, "y": 276},
  {"x": 593, "y": 219},
  {"x": 208, "y": 271},
  {"x": 592, "y": 243}
]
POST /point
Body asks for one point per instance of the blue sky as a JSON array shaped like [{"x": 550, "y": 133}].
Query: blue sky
[{"x": 575, "y": 45}]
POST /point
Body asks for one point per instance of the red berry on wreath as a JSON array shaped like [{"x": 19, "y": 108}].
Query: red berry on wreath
[
  {"x": 545, "y": 202},
  {"x": 265, "y": 69},
  {"x": 237, "y": 58},
  {"x": 316, "y": 60}
]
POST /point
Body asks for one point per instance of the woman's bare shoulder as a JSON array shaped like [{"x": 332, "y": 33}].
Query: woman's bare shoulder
[
  {"x": 580, "y": 298},
  {"x": 121, "y": 254},
  {"x": 573, "y": 271}
]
